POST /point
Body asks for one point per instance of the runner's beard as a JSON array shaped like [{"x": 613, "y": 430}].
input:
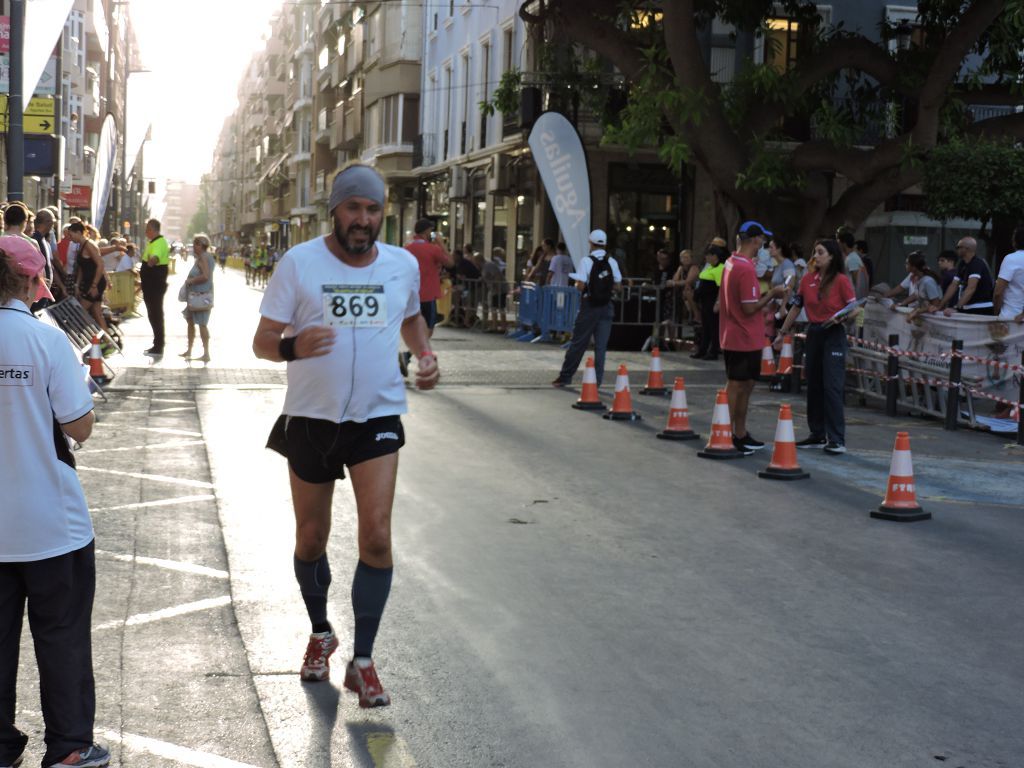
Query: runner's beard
[{"x": 352, "y": 249}]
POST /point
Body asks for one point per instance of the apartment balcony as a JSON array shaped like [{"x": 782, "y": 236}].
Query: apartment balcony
[
  {"x": 299, "y": 157},
  {"x": 270, "y": 209},
  {"x": 353, "y": 119},
  {"x": 322, "y": 187},
  {"x": 323, "y": 127},
  {"x": 303, "y": 102},
  {"x": 337, "y": 128}
]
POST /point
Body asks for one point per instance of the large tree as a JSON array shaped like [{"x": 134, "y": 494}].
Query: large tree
[{"x": 871, "y": 112}]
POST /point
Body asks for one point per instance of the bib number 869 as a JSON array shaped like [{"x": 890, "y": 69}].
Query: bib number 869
[{"x": 357, "y": 306}]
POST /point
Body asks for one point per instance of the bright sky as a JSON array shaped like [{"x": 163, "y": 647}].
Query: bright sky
[{"x": 197, "y": 51}]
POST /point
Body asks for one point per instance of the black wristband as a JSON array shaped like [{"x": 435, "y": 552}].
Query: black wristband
[{"x": 286, "y": 348}]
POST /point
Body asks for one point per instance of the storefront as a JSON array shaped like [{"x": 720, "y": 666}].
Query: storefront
[{"x": 643, "y": 214}]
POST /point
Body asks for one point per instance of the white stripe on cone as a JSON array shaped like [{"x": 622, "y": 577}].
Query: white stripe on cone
[
  {"x": 784, "y": 431},
  {"x": 902, "y": 465},
  {"x": 721, "y": 424},
  {"x": 621, "y": 382},
  {"x": 678, "y": 401},
  {"x": 766, "y": 354},
  {"x": 656, "y": 363},
  {"x": 590, "y": 375}
]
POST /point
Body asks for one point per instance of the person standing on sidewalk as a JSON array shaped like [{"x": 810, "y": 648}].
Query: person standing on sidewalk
[
  {"x": 742, "y": 329},
  {"x": 334, "y": 311},
  {"x": 822, "y": 294},
  {"x": 155, "y": 261},
  {"x": 597, "y": 279},
  {"x": 47, "y": 549},
  {"x": 429, "y": 249}
]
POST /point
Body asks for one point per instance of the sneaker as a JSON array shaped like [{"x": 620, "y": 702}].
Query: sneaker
[
  {"x": 316, "y": 666},
  {"x": 812, "y": 441},
  {"x": 835, "y": 448},
  {"x": 361, "y": 678},
  {"x": 153, "y": 352},
  {"x": 739, "y": 446},
  {"x": 558, "y": 383},
  {"x": 93, "y": 756},
  {"x": 749, "y": 442}
]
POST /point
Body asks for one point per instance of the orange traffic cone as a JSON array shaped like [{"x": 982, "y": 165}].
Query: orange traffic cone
[
  {"x": 678, "y": 427},
  {"x": 622, "y": 406},
  {"x": 900, "y": 502},
  {"x": 720, "y": 443},
  {"x": 589, "y": 400},
  {"x": 786, "y": 356},
  {"x": 767, "y": 360},
  {"x": 783, "y": 465},
  {"x": 96, "y": 371},
  {"x": 655, "y": 379}
]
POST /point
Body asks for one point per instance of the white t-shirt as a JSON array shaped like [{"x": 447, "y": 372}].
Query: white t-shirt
[
  {"x": 560, "y": 269},
  {"x": 126, "y": 264},
  {"x": 43, "y": 513},
  {"x": 359, "y": 378},
  {"x": 583, "y": 273},
  {"x": 1012, "y": 271}
]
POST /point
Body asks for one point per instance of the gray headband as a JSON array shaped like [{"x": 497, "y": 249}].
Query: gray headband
[{"x": 356, "y": 181}]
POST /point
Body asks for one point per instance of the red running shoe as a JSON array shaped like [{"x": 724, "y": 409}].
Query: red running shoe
[
  {"x": 316, "y": 666},
  {"x": 361, "y": 678}
]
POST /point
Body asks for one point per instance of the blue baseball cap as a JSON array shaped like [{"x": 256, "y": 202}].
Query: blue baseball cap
[{"x": 750, "y": 229}]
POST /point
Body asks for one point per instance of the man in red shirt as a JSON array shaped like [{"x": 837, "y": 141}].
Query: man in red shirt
[
  {"x": 742, "y": 330},
  {"x": 428, "y": 248}
]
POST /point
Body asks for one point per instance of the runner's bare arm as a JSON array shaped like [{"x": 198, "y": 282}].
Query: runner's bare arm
[
  {"x": 311, "y": 342},
  {"x": 414, "y": 334}
]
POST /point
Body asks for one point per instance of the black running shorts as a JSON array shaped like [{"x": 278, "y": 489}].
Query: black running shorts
[
  {"x": 318, "y": 451},
  {"x": 742, "y": 366}
]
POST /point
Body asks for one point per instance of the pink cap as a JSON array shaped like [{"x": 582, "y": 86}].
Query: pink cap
[{"x": 26, "y": 259}]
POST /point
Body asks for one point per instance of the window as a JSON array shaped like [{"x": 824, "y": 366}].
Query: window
[
  {"x": 391, "y": 115},
  {"x": 342, "y": 40},
  {"x": 506, "y": 47},
  {"x": 373, "y": 34},
  {"x": 781, "y": 44},
  {"x": 323, "y": 59}
]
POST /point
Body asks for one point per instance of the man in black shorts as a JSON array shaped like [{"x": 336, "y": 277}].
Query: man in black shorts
[{"x": 334, "y": 310}]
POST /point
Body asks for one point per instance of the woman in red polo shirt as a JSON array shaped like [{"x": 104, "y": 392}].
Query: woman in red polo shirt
[{"x": 822, "y": 294}]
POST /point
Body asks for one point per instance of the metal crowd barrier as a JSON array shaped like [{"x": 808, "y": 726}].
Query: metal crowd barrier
[
  {"x": 545, "y": 310},
  {"x": 69, "y": 316}
]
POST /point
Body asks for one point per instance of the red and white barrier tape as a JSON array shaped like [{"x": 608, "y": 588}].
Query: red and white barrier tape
[{"x": 987, "y": 362}]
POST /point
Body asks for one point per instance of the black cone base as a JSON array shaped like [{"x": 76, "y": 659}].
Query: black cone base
[
  {"x": 678, "y": 434},
  {"x": 654, "y": 391},
  {"x": 900, "y": 514},
  {"x": 721, "y": 453},
  {"x": 776, "y": 473},
  {"x": 581, "y": 406},
  {"x": 617, "y": 416}
]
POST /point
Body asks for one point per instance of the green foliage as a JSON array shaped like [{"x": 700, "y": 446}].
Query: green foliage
[
  {"x": 505, "y": 98},
  {"x": 974, "y": 179}
]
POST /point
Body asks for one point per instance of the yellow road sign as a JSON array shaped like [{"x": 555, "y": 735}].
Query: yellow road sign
[
  {"x": 37, "y": 106},
  {"x": 32, "y": 124}
]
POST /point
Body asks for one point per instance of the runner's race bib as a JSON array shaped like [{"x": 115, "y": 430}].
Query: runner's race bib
[{"x": 355, "y": 306}]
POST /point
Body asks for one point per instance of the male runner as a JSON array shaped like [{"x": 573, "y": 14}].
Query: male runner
[{"x": 334, "y": 310}]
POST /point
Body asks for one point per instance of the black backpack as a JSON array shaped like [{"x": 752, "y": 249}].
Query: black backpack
[{"x": 600, "y": 282}]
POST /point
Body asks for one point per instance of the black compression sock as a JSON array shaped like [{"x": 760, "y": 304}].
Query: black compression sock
[
  {"x": 370, "y": 589},
  {"x": 314, "y": 580}
]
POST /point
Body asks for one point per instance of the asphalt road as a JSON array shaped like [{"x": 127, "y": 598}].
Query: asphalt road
[{"x": 568, "y": 591}]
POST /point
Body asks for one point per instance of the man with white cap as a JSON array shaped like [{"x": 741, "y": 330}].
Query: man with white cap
[
  {"x": 47, "y": 547},
  {"x": 597, "y": 278},
  {"x": 334, "y": 310}
]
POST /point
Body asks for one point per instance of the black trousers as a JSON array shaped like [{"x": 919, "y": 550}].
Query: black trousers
[
  {"x": 593, "y": 322},
  {"x": 825, "y": 358},
  {"x": 59, "y": 592},
  {"x": 709, "y": 341},
  {"x": 154, "y": 286}
]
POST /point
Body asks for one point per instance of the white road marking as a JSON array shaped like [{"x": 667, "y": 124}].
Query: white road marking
[
  {"x": 158, "y": 399},
  {"x": 154, "y": 478},
  {"x": 157, "y": 503},
  {"x": 170, "y": 751},
  {"x": 165, "y": 749},
  {"x": 169, "y": 444},
  {"x": 170, "y": 565},
  {"x": 156, "y": 410},
  {"x": 161, "y": 430},
  {"x": 166, "y": 613}
]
